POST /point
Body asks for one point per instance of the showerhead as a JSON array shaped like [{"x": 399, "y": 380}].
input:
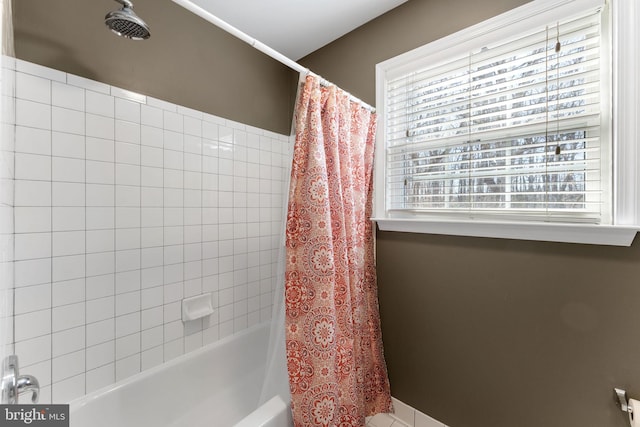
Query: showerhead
[{"x": 124, "y": 22}]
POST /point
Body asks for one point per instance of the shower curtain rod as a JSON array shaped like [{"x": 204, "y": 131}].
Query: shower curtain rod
[{"x": 208, "y": 16}]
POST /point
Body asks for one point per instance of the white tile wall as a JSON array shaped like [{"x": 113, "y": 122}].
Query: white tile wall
[
  {"x": 407, "y": 416},
  {"x": 7, "y": 196},
  {"x": 404, "y": 416},
  {"x": 124, "y": 205}
]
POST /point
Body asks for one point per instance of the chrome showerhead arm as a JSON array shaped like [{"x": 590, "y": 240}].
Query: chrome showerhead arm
[{"x": 125, "y": 3}]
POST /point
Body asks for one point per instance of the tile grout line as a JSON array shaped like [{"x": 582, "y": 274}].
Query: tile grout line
[
  {"x": 51, "y": 216},
  {"x": 86, "y": 334},
  {"x": 184, "y": 341},
  {"x": 139, "y": 108},
  {"x": 164, "y": 337},
  {"x": 115, "y": 244}
]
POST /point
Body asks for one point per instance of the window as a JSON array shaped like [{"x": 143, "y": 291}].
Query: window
[
  {"x": 511, "y": 129},
  {"x": 507, "y": 122}
]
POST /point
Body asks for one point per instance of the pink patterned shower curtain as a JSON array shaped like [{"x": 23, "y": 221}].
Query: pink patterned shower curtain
[{"x": 337, "y": 372}]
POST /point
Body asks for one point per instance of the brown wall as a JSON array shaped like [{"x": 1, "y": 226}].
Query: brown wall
[
  {"x": 350, "y": 61},
  {"x": 186, "y": 61},
  {"x": 490, "y": 332}
]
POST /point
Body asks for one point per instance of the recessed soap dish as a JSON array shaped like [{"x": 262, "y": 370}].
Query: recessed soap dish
[{"x": 196, "y": 307}]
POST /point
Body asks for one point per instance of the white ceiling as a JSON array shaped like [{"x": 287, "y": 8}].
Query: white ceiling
[{"x": 296, "y": 28}]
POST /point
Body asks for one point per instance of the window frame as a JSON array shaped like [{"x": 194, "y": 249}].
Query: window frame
[{"x": 625, "y": 217}]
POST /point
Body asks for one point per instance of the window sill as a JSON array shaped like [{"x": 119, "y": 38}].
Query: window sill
[{"x": 611, "y": 235}]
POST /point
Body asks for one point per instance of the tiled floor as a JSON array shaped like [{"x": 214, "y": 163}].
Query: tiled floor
[{"x": 384, "y": 420}]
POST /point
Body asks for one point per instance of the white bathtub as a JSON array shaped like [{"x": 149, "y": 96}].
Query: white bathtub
[{"x": 216, "y": 386}]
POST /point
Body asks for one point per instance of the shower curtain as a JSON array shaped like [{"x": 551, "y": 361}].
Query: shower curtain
[{"x": 337, "y": 372}]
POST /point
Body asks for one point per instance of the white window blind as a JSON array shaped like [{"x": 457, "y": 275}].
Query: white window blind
[{"x": 513, "y": 129}]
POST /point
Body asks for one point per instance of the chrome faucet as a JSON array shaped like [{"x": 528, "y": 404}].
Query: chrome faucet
[{"x": 13, "y": 384}]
